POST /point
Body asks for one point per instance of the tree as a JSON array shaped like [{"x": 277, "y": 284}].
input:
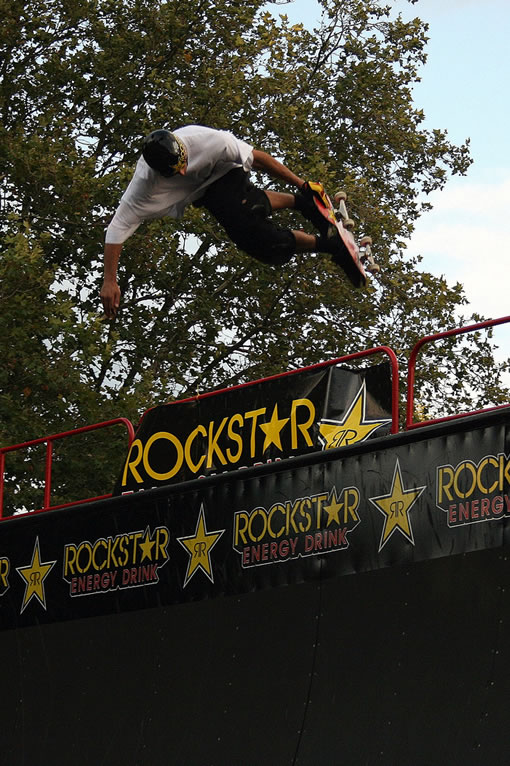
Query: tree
[{"x": 83, "y": 82}]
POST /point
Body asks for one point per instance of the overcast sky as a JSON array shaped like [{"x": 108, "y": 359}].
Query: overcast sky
[{"x": 464, "y": 90}]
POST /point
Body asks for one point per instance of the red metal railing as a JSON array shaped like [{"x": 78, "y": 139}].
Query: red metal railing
[
  {"x": 412, "y": 365},
  {"x": 48, "y": 440}
]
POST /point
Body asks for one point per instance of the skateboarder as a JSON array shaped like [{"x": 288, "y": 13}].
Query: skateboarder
[{"x": 210, "y": 168}]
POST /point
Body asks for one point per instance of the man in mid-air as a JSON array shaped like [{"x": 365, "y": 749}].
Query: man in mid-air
[{"x": 211, "y": 169}]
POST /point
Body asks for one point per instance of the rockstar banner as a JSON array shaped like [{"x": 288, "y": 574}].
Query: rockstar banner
[
  {"x": 439, "y": 491},
  {"x": 259, "y": 423}
]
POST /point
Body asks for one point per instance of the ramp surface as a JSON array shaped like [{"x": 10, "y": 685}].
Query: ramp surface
[
  {"x": 400, "y": 666},
  {"x": 348, "y": 607}
]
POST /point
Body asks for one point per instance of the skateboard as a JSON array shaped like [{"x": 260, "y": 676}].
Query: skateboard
[{"x": 355, "y": 260}]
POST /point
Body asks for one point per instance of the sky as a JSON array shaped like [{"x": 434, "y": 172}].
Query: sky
[{"x": 463, "y": 90}]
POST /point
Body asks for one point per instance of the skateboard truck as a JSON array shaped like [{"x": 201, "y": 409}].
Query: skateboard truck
[
  {"x": 366, "y": 257},
  {"x": 365, "y": 244}
]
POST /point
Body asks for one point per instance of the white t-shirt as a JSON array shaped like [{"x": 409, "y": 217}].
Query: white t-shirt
[{"x": 211, "y": 154}]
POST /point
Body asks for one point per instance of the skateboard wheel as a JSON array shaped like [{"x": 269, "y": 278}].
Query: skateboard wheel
[
  {"x": 364, "y": 241},
  {"x": 339, "y": 196},
  {"x": 373, "y": 268},
  {"x": 348, "y": 223}
]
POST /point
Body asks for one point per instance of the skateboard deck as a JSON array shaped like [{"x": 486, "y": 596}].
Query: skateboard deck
[{"x": 349, "y": 258}]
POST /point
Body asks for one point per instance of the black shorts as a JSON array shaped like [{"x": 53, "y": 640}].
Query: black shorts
[{"x": 243, "y": 209}]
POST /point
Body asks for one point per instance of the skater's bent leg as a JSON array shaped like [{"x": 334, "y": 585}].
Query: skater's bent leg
[
  {"x": 305, "y": 243},
  {"x": 323, "y": 243},
  {"x": 280, "y": 200}
]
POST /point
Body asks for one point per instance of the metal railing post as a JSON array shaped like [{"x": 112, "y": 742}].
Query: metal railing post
[{"x": 412, "y": 365}]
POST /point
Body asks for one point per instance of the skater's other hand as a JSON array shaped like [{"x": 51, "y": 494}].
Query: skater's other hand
[{"x": 110, "y": 296}]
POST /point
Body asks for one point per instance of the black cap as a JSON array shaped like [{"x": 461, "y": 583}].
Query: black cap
[{"x": 164, "y": 152}]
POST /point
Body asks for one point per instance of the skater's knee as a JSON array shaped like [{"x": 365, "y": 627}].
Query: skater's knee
[
  {"x": 257, "y": 202},
  {"x": 276, "y": 249}
]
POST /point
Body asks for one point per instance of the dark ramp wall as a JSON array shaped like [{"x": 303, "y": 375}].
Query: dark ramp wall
[{"x": 348, "y": 607}]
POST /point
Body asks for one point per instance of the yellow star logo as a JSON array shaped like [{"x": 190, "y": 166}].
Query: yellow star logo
[
  {"x": 272, "y": 430},
  {"x": 334, "y": 508},
  {"x": 395, "y": 508},
  {"x": 199, "y": 547},
  {"x": 352, "y": 428},
  {"x": 348, "y": 505},
  {"x": 147, "y": 546},
  {"x": 34, "y": 575}
]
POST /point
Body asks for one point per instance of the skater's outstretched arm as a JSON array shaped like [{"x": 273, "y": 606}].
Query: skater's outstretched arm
[
  {"x": 274, "y": 168},
  {"x": 110, "y": 292}
]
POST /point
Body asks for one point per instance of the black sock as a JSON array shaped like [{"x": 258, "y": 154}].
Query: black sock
[
  {"x": 303, "y": 203},
  {"x": 321, "y": 243}
]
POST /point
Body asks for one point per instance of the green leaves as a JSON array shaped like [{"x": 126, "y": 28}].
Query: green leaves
[{"x": 83, "y": 82}]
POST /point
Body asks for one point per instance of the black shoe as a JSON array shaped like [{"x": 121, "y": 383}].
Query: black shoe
[
  {"x": 331, "y": 242},
  {"x": 304, "y": 202}
]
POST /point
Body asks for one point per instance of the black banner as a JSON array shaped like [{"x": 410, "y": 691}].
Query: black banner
[
  {"x": 405, "y": 498},
  {"x": 267, "y": 421}
]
